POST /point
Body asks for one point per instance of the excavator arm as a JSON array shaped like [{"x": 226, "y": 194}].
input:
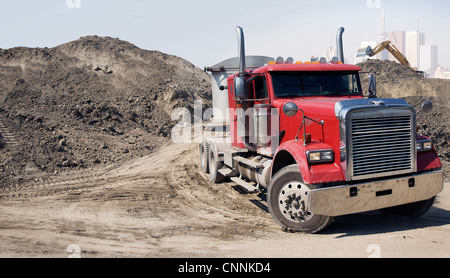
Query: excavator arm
[{"x": 392, "y": 49}]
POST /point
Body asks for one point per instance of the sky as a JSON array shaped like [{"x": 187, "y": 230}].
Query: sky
[{"x": 203, "y": 31}]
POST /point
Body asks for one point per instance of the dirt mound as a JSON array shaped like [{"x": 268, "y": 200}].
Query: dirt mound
[
  {"x": 397, "y": 81},
  {"x": 93, "y": 101},
  {"x": 388, "y": 70}
]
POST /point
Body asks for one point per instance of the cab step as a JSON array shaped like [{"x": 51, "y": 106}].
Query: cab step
[
  {"x": 227, "y": 172},
  {"x": 247, "y": 187}
]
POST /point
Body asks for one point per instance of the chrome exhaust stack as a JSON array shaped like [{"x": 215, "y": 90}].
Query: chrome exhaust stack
[
  {"x": 241, "y": 49},
  {"x": 339, "y": 45}
]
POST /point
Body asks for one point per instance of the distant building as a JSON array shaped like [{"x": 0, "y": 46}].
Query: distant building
[
  {"x": 330, "y": 52},
  {"x": 383, "y": 55},
  {"x": 442, "y": 72},
  {"x": 397, "y": 38},
  {"x": 428, "y": 59},
  {"x": 414, "y": 40}
]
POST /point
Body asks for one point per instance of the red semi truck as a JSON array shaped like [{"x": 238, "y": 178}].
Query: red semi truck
[{"x": 305, "y": 134}]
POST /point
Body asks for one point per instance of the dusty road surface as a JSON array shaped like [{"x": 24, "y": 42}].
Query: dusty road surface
[{"x": 161, "y": 206}]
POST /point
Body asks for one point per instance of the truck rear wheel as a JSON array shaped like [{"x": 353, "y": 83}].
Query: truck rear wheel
[
  {"x": 412, "y": 210},
  {"x": 203, "y": 158},
  {"x": 287, "y": 199},
  {"x": 214, "y": 165}
]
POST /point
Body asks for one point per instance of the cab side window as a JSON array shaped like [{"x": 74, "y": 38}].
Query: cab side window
[{"x": 261, "y": 88}]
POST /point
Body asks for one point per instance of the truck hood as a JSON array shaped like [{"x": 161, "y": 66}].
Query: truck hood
[
  {"x": 316, "y": 107},
  {"x": 330, "y": 110},
  {"x": 337, "y": 106}
]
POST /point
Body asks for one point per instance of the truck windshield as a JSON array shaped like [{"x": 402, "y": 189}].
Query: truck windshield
[{"x": 291, "y": 84}]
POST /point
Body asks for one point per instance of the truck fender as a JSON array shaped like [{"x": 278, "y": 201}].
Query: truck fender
[
  {"x": 293, "y": 152},
  {"x": 428, "y": 160}
]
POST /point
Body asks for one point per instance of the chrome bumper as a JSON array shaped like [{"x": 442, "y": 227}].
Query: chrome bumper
[{"x": 350, "y": 199}]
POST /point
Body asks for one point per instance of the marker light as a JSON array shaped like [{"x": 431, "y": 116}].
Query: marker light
[{"x": 279, "y": 60}]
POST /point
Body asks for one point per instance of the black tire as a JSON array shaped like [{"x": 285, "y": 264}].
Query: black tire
[
  {"x": 214, "y": 165},
  {"x": 204, "y": 163},
  {"x": 412, "y": 210},
  {"x": 290, "y": 210}
]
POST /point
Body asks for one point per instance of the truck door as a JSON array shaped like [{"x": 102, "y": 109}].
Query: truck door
[{"x": 261, "y": 94}]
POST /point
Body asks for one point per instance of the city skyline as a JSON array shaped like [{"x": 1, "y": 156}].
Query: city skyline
[
  {"x": 202, "y": 32},
  {"x": 421, "y": 56}
]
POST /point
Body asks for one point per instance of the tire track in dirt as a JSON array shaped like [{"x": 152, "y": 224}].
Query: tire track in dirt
[
  {"x": 156, "y": 199},
  {"x": 194, "y": 185},
  {"x": 8, "y": 137},
  {"x": 54, "y": 185},
  {"x": 185, "y": 184}
]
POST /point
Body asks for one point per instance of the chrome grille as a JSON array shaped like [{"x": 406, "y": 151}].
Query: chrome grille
[{"x": 382, "y": 145}]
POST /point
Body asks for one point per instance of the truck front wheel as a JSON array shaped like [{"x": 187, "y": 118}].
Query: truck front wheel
[{"x": 287, "y": 198}]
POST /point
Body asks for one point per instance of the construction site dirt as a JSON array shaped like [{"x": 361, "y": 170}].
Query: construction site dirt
[{"x": 88, "y": 167}]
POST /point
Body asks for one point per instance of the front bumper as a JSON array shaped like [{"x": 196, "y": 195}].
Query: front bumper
[{"x": 362, "y": 197}]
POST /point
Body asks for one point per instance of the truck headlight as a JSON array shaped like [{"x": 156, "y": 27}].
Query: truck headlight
[
  {"x": 320, "y": 156},
  {"x": 424, "y": 145}
]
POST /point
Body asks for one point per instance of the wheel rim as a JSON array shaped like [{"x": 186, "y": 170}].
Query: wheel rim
[{"x": 293, "y": 202}]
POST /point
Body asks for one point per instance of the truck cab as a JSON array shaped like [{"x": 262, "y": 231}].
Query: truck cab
[{"x": 305, "y": 133}]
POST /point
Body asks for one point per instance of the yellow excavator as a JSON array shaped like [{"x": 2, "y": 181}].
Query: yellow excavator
[
  {"x": 394, "y": 51},
  {"x": 391, "y": 48}
]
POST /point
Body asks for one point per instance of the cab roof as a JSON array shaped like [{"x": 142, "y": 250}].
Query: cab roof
[{"x": 307, "y": 67}]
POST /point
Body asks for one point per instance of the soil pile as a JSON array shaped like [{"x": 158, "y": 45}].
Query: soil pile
[
  {"x": 93, "y": 101},
  {"x": 397, "y": 81},
  {"x": 388, "y": 70}
]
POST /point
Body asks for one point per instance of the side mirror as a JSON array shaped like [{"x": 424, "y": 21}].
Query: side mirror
[
  {"x": 372, "y": 86},
  {"x": 240, "y": 89},
  {"x": 427, "y": 106}
]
